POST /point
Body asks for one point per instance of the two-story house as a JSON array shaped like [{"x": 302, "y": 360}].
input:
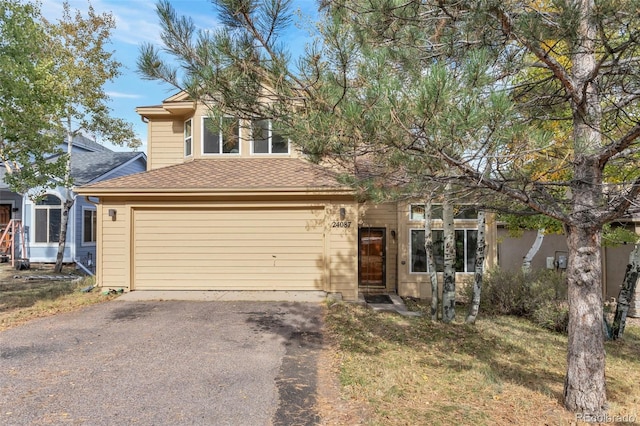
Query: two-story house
[{"x": 244, "y": 210}]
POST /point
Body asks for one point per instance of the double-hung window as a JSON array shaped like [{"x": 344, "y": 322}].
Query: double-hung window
[
  {"x": 220, "y": 138},
  {"x": 48, "y": 211},
  {"x": 188, "y": 138},
  {"x": 266, "y": 140},
  {"x": 466, "y": 243},
  {"x": 89, "y": 225}
]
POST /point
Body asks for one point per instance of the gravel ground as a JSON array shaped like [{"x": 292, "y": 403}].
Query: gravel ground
[{"x": 157, "y": 363}]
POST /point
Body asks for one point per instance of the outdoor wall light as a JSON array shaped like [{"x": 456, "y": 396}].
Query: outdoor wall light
[
  {"x": 112, "y": 214},
  {"x": 343, "y": 213},
  {"x": 393, "y": 234}
]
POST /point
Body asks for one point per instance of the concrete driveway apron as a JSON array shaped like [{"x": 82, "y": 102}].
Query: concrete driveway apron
[{"x": 157, "y": 363}]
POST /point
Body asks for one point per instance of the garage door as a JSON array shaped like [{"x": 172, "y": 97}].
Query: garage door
[{"x": 228, "y": 249}]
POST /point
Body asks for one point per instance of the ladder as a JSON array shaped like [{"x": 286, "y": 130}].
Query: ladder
[{"x": 8, "y": 241}]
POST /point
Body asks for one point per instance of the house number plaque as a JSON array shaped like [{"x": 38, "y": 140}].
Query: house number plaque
[{"x": 341, "y": 224}]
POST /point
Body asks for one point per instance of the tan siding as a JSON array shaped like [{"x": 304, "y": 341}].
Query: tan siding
[
  {"x": 384, "y": 216},
  {"x": 344, "y": 252},
  {"x": 249, "y": 249},
  {"x": 112, "y": 266},
  {"x": 166, "y": 139}
]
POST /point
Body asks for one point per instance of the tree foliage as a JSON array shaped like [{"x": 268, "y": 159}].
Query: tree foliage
[
  {"x": 83, "y": 65},
  {"x": 30, "y": 99}
]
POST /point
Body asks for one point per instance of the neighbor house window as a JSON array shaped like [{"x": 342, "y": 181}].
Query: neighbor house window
[
  {"x": 48, "y": 212},
  {"x": 188, "y": 138},
  {"x": 222, "y": 138},
  {"x": 89, "y": 225},
  {"x": 266, "y": 140},
  {"x": 466, "y": 243}
]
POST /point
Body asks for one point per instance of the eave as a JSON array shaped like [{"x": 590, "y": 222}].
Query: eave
[
  {"x": 167, "y": 109},
  {"x": 190, "y": 192}
]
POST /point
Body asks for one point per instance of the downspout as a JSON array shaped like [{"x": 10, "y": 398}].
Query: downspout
[
  {"x": 27, "y": 242},
  {"x": 75, "y": 260},
  {"x": 72, "y": 214}
]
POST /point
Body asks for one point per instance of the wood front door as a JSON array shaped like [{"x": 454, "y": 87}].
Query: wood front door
[
  {"x": 371, "y": 271},
  {"x": 5, "y": 213}
]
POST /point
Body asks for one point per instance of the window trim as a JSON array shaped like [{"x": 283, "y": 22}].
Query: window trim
[
  {"x": 269, "y": 139},
  {"x": 47, "y": 208},
  {"x": 188, "y": 140},
  {"x": 464, "y": 250},
  {"x": 220, "y": 138},
  {"x": 84, "y": 243}
]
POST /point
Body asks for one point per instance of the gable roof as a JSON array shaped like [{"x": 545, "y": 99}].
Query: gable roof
[
  {"x": 89, "y": 166},
  {"x": 225, "y": 175},
  {"x": 81, "y": 141}
]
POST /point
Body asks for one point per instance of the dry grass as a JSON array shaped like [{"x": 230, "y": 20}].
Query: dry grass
[
  {"x": 22, "y": 300},
  {"x": 502, "y": 371}
]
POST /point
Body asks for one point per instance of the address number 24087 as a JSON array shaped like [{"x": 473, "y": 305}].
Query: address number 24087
[{"x": 341, "y": 224}]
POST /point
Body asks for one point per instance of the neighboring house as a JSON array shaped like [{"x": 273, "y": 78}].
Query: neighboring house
[
  {"x": 553, "y": 254},
  {"x": 90, "y": 162},
  {"x": 220, "y": 212}
]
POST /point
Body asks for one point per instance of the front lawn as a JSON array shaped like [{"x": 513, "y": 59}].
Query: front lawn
[
  {"x": 23, "y": 299},
  {"x": 502, "y": 371}
]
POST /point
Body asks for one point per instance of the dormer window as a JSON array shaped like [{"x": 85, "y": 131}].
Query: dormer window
[
  {"x": 265, "y": 140},
  {"x": 222, "y": 138}
]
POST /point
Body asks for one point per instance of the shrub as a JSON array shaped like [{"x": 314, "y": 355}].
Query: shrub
[
  {"x": 552, "y": 315},
  {"x": 539, "y": 296}
]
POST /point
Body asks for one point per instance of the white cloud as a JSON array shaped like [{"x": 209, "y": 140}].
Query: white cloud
[{"x": 121, "y": 95}]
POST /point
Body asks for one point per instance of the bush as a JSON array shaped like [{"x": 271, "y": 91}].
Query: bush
[
  {"x": 539, "y": 296},
  {"x": 552, "y": 315}
]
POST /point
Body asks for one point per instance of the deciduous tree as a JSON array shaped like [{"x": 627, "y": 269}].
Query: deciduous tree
[
  {"x": 30, "y": 100},
  {"x": 82, "y": 65}
]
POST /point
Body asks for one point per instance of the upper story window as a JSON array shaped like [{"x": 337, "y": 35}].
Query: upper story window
[
  {"x": 221, "y": 138},
  {"x": 48, "y": 222},
  {"x": 461, "y": 212},
  {"x": 266, "y": 140},
  {"x": 188, "y": 138},
  {"x": 416, "y": 212}
]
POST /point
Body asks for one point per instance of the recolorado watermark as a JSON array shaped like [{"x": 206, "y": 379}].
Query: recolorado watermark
[{"x": 606, "y": 418}]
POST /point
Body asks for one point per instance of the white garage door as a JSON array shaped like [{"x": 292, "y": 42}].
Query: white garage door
[{"x": 228, "y": 249}]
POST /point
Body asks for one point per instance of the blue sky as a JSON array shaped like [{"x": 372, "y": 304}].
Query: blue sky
[{"x": 136, "y": 23}]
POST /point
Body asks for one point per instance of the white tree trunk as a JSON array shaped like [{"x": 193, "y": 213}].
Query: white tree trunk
[
  {"x": 431, "y": 264},
  {"x": 449, "y": 275},
  {"x": 626, "y": 293},
  {"x": 67, "y": 201},
  {"x": 535, "y": 247},
  {"x": 474, "y": 307}
]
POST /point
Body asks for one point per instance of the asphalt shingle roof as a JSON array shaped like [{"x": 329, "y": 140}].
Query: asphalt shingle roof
[
  {"x": 228, "y": 174},
  {"x": 87, "y": 166}
]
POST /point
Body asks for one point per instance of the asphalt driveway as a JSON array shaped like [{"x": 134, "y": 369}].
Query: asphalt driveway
[{"x": 161, "y": 363}]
